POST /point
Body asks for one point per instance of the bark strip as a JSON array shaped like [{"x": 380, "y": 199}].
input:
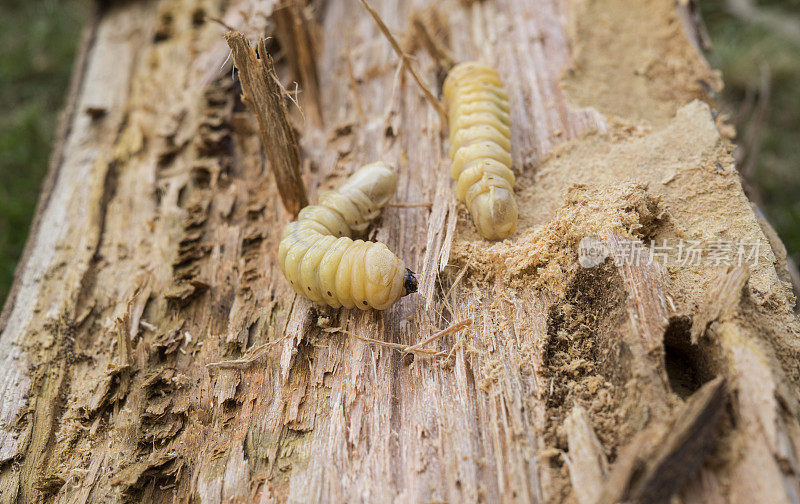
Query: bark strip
[
  {"x": 653, "y": 467},
  {"x": 264, "y": 96}
]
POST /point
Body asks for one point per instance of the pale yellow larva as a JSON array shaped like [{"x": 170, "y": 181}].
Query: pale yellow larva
[
  {"x": 323, "y": 263},
  {"x": 480, "y": 147}
]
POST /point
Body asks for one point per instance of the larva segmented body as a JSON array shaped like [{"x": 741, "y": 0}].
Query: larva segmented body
[
  {"x": 480, "y": 147},
  {"x": 325, "y": 265}
]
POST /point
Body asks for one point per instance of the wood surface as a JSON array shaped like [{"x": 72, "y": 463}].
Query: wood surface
[{"x": 151, "y": 350}]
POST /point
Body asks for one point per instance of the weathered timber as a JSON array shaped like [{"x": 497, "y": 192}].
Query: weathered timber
[{"x": 152, "y": 351}]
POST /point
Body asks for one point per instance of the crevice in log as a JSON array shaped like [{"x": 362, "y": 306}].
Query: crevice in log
[
  {"x": 683, "y": 361},
  {"x": 297, "y": 32},
  {"x": 429, "y": 29},
  {"x": 152, "y": 480},
  {"x": 586, "y": 363},
  {"x": 109, "y": 189}
]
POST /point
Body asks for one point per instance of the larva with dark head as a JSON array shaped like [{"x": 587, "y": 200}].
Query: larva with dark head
[
  {"x": 324, "y": 264},
  {"x": 480, "y": 147}
]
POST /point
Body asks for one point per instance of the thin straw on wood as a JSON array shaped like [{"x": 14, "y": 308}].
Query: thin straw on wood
[{"x": 407, "y": 63}]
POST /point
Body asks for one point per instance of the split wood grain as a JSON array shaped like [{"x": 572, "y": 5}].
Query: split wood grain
[{"x": 266, "y": 99}]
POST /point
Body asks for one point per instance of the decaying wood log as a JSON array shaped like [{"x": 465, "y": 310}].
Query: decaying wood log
[{"x": 152, "y": 351}]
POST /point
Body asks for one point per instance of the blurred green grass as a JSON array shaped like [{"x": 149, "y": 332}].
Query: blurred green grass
[{"x": 38, "y": 40}]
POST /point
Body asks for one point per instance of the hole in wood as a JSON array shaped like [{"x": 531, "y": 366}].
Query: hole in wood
[
  {"x": 198, "y": 17},
  {"x": 165, "y": 28},
  {"x": 687, "y": 367},
  {"x": 201, "y": 176},
  {"x": 183, "y": 196}
]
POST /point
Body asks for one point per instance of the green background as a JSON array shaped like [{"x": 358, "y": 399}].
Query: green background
[
  {"x": 38, "y": 40},
  {"x": 758, "y": 53}
]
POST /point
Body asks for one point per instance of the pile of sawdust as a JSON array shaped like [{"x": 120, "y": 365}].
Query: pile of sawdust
[
  {"x": 580, "y": 358},
  {"x": 677, "y": 182},
  {"x": 548, "y": 253},
  {"x": 633, "y": 60}
]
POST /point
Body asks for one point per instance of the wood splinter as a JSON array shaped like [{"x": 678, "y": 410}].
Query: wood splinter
[
  {"x": 263, "y": 95},
  {"x": 649, "y": 471}
]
